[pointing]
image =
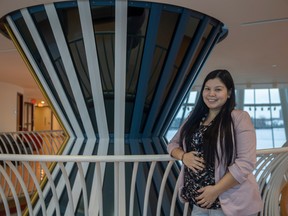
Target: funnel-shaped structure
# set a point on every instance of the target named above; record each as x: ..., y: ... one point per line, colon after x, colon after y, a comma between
x: 115, y: 72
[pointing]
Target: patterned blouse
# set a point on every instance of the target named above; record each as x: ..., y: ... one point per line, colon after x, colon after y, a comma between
x: 194, y: 181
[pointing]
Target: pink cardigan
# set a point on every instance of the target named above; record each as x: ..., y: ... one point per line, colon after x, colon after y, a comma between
x: 243, y: 199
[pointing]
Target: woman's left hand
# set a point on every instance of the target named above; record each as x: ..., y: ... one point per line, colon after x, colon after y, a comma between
x: 207, y: 197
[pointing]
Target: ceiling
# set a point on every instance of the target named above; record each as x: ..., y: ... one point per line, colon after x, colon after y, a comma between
x: 255, y: 50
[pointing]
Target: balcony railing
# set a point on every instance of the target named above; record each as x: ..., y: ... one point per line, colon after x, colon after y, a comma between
x: 33, y: 184
x: 31, y: 142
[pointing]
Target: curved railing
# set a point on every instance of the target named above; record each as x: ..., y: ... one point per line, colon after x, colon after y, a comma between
x: 29, y: 186
x: 271, y: 174
x: 32, y: 142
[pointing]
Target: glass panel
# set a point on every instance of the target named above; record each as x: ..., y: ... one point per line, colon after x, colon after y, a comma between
x: 263, y: 117
x: 279, y: 137
x: 274, y: 96
x: 278, y: 126
x: 249, y: 96
x: 262, y: 96
x: 182, y: 114
x: 200, y: 47
x: 44, y: 28
x: 267, y: 117
x: 73, y: 34
x: 22, y: 27
x: 104, y: 28
x: 168, y: 23
x: 175, y: 123
x: 276, y: 113
x: 192, y: 96
x: 264, y: 138
x: 136, y: 31
x: 251, y: 111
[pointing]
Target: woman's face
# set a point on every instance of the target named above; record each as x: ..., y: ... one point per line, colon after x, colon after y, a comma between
x: 215, y: 94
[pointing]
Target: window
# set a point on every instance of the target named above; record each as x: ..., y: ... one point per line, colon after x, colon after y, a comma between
x: 264, y: 107
x: 182, y: 113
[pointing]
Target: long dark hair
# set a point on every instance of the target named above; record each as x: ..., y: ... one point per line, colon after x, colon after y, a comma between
x: 222, y: 127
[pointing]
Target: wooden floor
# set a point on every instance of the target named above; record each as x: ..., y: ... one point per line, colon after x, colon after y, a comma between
x: 284, y: 200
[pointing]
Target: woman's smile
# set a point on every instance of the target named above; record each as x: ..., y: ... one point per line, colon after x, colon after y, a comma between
x: 215, y: 94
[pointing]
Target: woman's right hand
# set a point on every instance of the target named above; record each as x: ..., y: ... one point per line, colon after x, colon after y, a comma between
x: 193, y: 162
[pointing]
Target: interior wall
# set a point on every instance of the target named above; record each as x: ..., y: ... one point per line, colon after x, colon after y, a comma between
x: 8, y: 106
x: 44, y: 119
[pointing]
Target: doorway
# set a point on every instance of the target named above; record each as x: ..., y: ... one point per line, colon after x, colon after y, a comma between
x: 45, y: 119
x: 28, y: 116
x: 19, y: 121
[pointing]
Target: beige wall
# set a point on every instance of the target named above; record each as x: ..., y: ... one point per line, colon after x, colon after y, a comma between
x: 8, y: 106
x: 43, y: 118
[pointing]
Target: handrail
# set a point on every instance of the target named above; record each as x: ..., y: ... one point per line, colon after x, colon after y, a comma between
x: 87, y: 158
x: 271, y: 151
x: 112, y: 158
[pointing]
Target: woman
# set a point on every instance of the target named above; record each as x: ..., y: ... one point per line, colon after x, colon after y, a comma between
x: 217, y: 146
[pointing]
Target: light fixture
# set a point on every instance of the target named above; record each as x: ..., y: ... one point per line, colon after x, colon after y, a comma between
x: 33, y: 101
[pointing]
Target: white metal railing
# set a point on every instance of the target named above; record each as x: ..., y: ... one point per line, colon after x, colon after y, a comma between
x: 27, y: 180
x: 31, y: 142
x: 272, y: 174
